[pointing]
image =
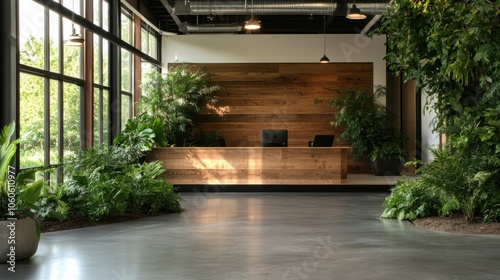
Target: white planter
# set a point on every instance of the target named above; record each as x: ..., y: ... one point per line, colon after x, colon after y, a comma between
x: 19, y: 235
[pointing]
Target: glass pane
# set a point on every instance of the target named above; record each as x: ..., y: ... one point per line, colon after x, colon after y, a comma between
x: 126, y: 26
x: 105, y: 62
x: 105, y: 15
x: 126, y: 69
x: 68, y: 4
x: 126, y: 109
x: 153, y: 46
x: 105, y: 116
x: 144, y: 40
x: 73, y: 5
x: 97, y: 119
x: 149, y: 41
x: 31, y: 124
x: 54, y: 35
x: 97, y: 60
x: 54, y: 122
x: 31, y: 34
x: 97, y: 12
x: 147, y: 68
x: 71, y: 118
x: 72, y: 55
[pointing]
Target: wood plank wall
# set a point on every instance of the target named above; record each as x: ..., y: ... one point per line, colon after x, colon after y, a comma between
x: 260, y: 96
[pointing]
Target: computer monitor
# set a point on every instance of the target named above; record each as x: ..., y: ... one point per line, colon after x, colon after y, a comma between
x: 274, y: 138
x: 323, y: 140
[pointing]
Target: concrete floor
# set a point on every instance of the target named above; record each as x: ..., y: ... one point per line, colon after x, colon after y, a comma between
x: 263, y: 236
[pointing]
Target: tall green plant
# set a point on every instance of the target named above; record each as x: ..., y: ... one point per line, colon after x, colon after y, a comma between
x: 368, y: 125
x: 176, y: 98
x: 23, y: 190
x: 7, y: 151
x: 451, y: 49
x: 466, y: 169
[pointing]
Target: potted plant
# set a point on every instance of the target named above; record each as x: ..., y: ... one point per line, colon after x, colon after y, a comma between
x: 369, y: 128
x: 19, y: 230
x: 176, y: 98
x: 388, y: 157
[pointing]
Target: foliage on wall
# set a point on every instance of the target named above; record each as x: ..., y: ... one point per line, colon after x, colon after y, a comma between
x: 451, y: 49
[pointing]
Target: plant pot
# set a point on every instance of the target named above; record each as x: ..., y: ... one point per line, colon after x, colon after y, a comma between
x: 23, y: 232
x: 382, y: 167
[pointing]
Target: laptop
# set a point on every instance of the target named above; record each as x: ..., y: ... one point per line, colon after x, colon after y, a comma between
x: 323, y: 140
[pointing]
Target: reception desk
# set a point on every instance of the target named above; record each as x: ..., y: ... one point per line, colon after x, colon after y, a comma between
x: 252, y: 165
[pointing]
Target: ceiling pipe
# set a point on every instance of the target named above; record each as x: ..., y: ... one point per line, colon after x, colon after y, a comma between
x: 210, y: 28
x: 372, y: 8
x: 260, y: 7
x: 266, y: 7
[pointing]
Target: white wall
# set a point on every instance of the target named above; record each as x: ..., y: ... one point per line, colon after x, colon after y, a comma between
x: 255, y: 48
x: 430, y: 139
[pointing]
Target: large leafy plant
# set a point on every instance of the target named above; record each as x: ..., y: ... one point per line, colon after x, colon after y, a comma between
x: 176, y: 98
x: 368, y: 125
x: 7, y: 151
x: 18, y: 193
x: 451, y: 49
x: 109, y: 181
x: 412, y: 199
x: 141, y: 133
x: 464, y: 172
x: 466, y: 169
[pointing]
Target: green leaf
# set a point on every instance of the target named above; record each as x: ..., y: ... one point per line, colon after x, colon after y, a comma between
x: 30, y: 194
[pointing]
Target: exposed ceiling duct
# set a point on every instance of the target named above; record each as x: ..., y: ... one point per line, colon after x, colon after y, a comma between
x: 277, y: 16
x: 370, y: 8
x: 210, y: 28
x: 260, y: 7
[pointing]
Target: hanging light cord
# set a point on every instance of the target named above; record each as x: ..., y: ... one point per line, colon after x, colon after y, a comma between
x: 252, y: 10
x: 324, y: 35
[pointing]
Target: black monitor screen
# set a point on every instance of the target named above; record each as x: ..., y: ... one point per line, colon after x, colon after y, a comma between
x: 274, y: 138
x: 323, y: 140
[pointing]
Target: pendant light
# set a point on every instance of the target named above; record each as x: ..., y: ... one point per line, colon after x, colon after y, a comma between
x: 252, y: 24
x: 355, y: 13
x: 75, y: 39
x: 324, y: 59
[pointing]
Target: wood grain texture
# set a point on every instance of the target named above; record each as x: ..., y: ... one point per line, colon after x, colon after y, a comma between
x: 258, y: 96
x: 252, y: 165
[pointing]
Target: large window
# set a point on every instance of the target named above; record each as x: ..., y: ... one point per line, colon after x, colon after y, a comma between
x: 149, y: 40
x: 54, y: 97
x: 101, y: 75
x: 50, y: 87
x: 127, y: 34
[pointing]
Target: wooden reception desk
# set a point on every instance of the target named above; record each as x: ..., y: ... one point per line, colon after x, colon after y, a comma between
x: 252, y: 165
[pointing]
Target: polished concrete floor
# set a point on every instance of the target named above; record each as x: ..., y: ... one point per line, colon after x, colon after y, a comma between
x: 263, y: 236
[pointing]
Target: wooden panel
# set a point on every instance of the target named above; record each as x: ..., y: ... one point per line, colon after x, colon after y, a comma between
x: 259, y: 96
x: 249, y: 165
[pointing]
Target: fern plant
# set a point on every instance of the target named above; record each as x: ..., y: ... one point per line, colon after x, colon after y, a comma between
x: 410, y: 199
